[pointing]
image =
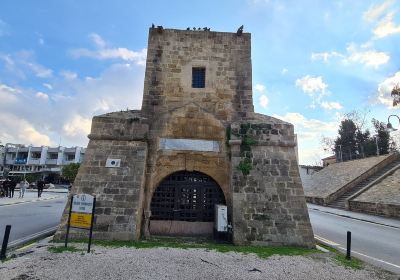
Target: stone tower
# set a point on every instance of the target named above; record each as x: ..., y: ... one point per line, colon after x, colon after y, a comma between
x: 196, y: 142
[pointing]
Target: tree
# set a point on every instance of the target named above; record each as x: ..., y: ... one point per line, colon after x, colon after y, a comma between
x: 70, y: 171
x: 32, y: 177
x: 346, y: 142
x: 396, y: 95
x: 385, y: 142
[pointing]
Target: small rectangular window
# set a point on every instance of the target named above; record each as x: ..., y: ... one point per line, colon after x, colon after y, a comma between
x: 198, y: 77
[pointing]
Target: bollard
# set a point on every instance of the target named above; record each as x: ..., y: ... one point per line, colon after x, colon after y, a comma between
x: 5, y: 242
x: 348, y: 254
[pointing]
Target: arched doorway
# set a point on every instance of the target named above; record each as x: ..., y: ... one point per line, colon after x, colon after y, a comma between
x: 183, y: 204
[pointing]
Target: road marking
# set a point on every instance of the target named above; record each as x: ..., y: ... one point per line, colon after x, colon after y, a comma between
x: 323, y: 240
x: 372, y: 258
x: 26, y: 247
x: 329, y: 242
x: 355, y: 219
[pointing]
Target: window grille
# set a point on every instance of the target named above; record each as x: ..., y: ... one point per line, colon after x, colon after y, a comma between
x: 198, y: 77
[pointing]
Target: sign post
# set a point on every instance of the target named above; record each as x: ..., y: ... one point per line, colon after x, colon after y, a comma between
x: 81, y: 214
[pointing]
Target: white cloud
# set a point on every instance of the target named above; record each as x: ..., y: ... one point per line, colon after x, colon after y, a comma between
x: 325, y: 56
x: 103, y: 52
x: 42, y: 95
x: 284, y: 71
x: 71, y: 106
x: 263, y: 101
x: 331, y: 105
x: 48, y: 86
x: 309, y: 134
x: 260, y: 88
x: 77, y: 125
x: 385, y: 89
x: 97, y: 40
x: 3, y: 28
x: 39, y: 70
x: 69, y: 75
x: 386, y: 27
x: 8, y: 94
x: 365, y: 55
x: 376, y: 11
x: 23, y: 63
x: 311, y: 85
x: 18, y: 130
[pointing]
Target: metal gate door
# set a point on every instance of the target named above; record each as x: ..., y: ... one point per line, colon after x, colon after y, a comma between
x: 186, y: 196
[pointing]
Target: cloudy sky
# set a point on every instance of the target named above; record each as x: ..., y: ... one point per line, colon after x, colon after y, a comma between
x: 62, y: 62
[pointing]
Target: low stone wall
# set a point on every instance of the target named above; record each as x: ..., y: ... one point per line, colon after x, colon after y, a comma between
x: 388, y: 210
x: 315, y: 200
x: 269, y: 207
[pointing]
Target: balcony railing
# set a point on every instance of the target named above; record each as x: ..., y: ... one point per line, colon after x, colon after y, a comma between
x: 51, y: 161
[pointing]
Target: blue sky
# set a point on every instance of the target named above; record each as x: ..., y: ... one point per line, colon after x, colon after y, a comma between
x: 62, y: 62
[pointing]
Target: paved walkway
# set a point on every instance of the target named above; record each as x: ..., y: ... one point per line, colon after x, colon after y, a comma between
x: 358, y: 216
x: 30, y: 196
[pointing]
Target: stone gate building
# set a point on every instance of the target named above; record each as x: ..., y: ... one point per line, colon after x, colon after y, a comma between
x: 195, y: 142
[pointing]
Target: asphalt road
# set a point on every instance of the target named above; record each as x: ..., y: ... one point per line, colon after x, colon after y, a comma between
x: 30, y: 218
x: 374, y: 243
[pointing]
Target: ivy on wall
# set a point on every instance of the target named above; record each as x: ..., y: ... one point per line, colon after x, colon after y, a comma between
x: 245, y: 165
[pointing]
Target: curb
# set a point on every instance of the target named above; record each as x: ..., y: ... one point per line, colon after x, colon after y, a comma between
x: 28, y: 201
x: 36, y: 236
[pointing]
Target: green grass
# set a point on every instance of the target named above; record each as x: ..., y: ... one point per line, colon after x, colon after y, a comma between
x: 6, y: 259
x: 340, y: 258
x: 353, y: 263
x: 260, y: 251
x: 62, y: 249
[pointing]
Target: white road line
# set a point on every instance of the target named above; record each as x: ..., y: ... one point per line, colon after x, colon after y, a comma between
x: 329, y: 242
x: 355, y: 219
x: 372, y: 258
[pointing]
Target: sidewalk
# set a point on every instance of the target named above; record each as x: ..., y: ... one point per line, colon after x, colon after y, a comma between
x: 357, y: 216
x: 30, y: 196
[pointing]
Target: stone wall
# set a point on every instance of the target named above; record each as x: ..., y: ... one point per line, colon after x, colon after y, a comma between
x: 269, y: 207
x: 383, y: 198
x: 119, y: 191
x: 171, y: 55
x: 335, y: 179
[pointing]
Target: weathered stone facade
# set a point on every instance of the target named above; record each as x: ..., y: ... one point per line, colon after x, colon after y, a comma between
x: 254, y: 163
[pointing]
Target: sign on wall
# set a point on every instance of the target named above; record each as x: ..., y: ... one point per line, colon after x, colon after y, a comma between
x: 189, y: 145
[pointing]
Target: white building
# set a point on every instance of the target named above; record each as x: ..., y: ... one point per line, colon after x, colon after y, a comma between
x: 19, y: 159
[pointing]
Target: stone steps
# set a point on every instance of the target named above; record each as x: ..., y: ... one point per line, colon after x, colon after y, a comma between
x: 341, y: 200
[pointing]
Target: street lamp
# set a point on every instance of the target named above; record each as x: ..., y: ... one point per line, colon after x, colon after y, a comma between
x: 389, y: 125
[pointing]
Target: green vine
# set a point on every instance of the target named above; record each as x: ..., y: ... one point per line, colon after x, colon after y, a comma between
x: 247, y: 140
x: 245, y: 166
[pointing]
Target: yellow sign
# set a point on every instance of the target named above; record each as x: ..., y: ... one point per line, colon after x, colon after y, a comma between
x: 80, y: 220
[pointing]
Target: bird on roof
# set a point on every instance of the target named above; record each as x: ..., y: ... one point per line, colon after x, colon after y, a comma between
x: 152, y: 25
x: 240, y: 30
x: 188, y: 28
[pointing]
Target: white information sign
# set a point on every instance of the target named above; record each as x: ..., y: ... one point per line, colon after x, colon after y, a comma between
x: 83, y: 203
x: 189, y: 145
